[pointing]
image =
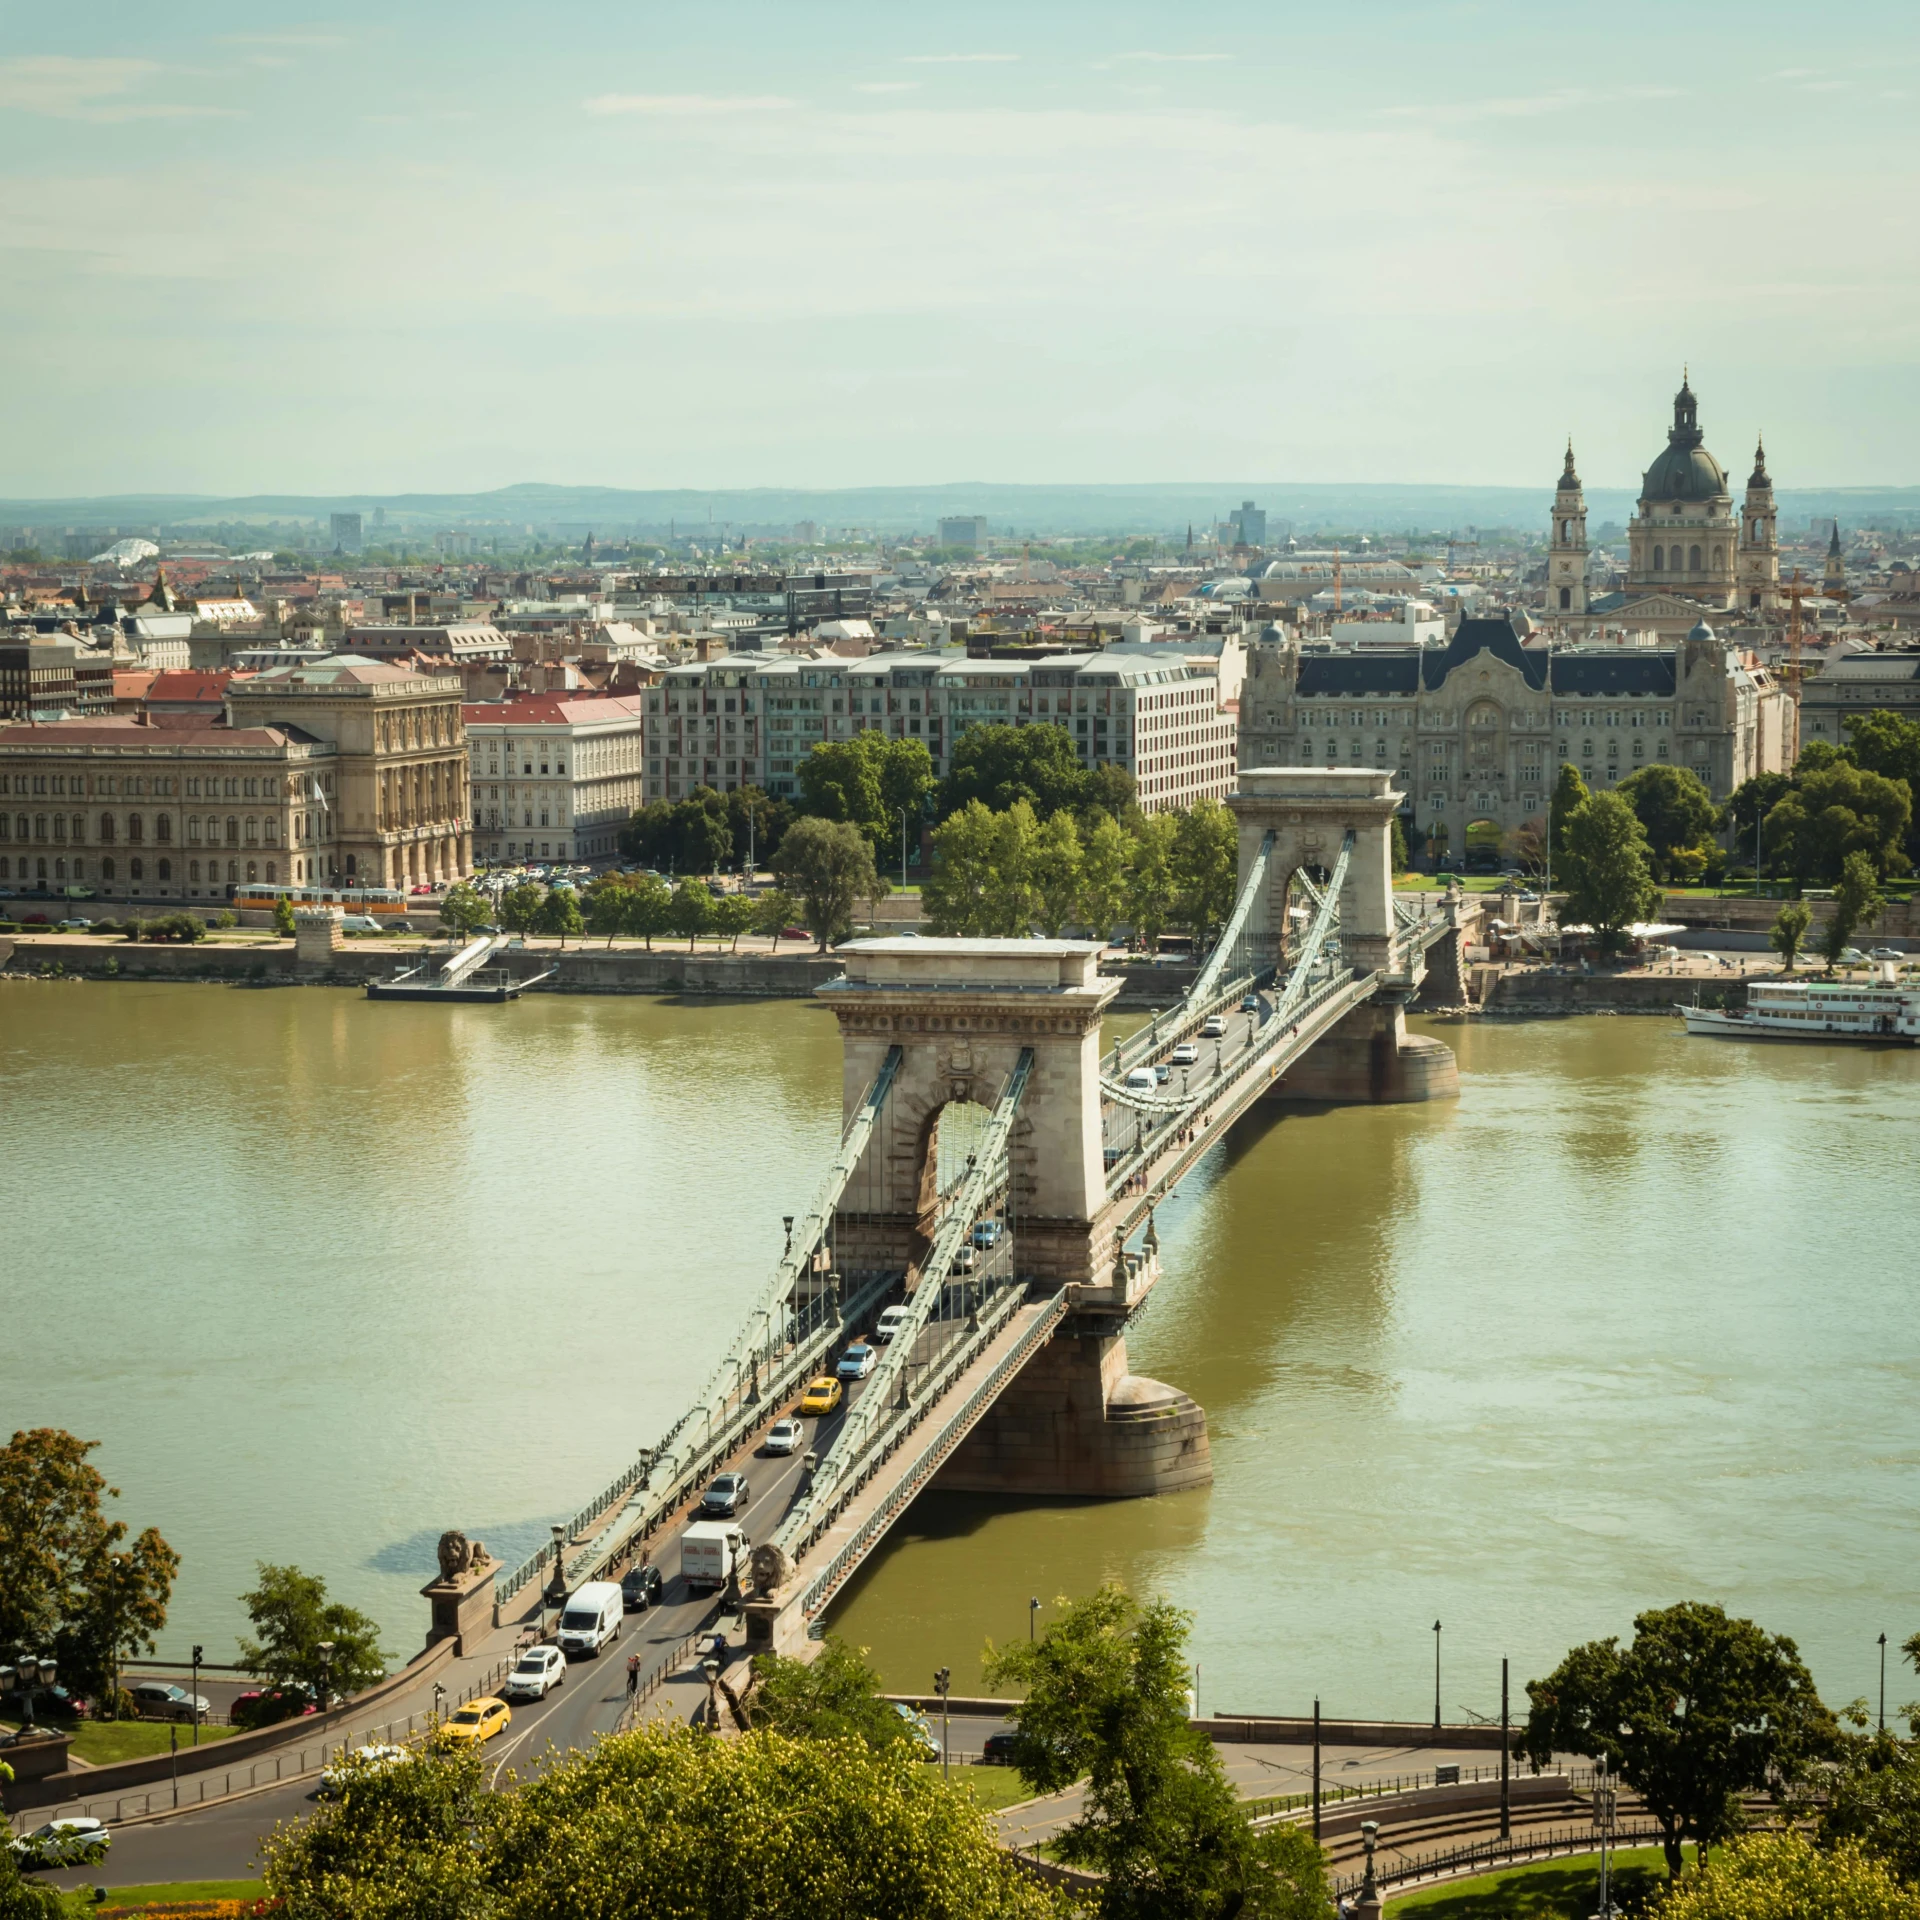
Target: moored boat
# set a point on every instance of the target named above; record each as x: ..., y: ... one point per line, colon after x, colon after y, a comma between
x: 1828, y: 1010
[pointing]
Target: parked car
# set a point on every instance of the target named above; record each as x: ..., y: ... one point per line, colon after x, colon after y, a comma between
x: 158, y: 1700
x: 822, y: 1396
x: 1214, y: 1026
x: 78, y: 1841
x: 640, y: 1588
x: 726, y: 1496
x: 360, y: 1764
x: 1886, y: 953
x: 1851, y: 957
x: 1186, y: 1054
x: 890, y: 1322
x: 857, y: 1362
x: 997, y: 1749
x: 783, y: 1436
x: 539, y: 1671
x: 476, y: 1722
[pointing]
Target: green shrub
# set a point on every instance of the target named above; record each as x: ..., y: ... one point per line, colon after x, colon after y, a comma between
x: 227, y: 919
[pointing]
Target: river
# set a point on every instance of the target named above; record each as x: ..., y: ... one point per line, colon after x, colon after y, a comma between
x: 1628, y: 1323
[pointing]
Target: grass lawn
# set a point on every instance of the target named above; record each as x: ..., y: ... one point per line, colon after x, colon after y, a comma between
x: 176, y: 1893
x: 101, y: 1742
x: 993, y: 1787
x: 1552, y: 1890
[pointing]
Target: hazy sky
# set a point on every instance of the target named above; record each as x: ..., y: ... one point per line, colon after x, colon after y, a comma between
x: 436, y: 246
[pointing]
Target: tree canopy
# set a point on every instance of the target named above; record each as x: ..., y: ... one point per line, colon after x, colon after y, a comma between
x: 1569, y: 795
x: 868, y: 781
x: 655, y: 1824
x: 1833, y: 810
x: 1856, y: 901
x: 828, y: 866
x: 1604, y: 868
x: 292, y: 1616
x: 1675, y: 810
x: 1873, y: 1802
x: 998, y: 765
x: 1106, y: 1700
x: 1783, y: 1876
x: 834, y: 1696
x: 1699, y: 1709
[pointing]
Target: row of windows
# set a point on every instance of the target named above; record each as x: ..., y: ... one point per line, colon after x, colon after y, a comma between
x: 57, y: 867
x: 150, y: 786
x: 36, y: 827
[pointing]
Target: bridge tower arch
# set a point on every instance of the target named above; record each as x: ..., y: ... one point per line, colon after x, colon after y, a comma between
x: 1310, y: 811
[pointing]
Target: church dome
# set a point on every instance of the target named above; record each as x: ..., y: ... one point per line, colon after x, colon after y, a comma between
x: 1686, y: 470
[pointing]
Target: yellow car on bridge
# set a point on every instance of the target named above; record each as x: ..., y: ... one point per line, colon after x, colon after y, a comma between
x: 822, y: 1396
x: 477, y: 1721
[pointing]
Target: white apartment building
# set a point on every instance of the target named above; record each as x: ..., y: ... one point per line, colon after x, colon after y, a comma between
x: 750, y: 719
x: 553, y: 777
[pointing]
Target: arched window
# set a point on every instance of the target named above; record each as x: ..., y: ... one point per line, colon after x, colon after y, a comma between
x: 163, y: 826
x: 233, y: 870
x: 106, y: 870
x: 1693, y: 559
x: 253, y: 870
x: 59, y: 869
x: 272, y: 835
x: 1659, y: 559
x: 106, y: 829
x: 1719, y: 558
x: 136, y: 828
x: 166, y: 869
x: 233, y: 830
x: 193, y: 869
x: 253, y: 830
x: 350, y: 862
x: 1566, y: 598
x: 137, y: 869
x: 273, y: 872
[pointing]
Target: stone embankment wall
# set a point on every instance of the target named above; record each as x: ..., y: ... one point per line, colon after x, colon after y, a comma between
x: 1898, y: 922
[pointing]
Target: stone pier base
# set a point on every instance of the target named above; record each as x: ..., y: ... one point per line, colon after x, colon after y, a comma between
x: 1076, y: 1421
x: 1370, y: 1058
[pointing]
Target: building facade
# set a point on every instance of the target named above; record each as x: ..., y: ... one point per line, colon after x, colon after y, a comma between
x: 554, y: 778
x: 401, y: 815
x: 1475, y: 732
x: 53, y: 673
x: 1857, y: 683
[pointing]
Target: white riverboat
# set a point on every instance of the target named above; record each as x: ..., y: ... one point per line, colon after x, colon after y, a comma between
x: 1884, y: 1012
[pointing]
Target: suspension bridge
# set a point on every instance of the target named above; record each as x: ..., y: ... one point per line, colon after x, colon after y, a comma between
x: 997, y: 1177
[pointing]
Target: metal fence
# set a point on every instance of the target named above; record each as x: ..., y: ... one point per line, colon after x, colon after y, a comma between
x: 1476, y: 1854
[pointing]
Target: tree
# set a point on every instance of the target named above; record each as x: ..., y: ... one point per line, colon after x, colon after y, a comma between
x: 1604, y: 867
x: 867, y: 781
x: 758, y: 823
x: 1569, y: 794
x: 828, y: 865
x: 1857, y: 900
x: 649, y: 907
x: 1889, y: 744
x: 1204, y: 866
x: 283, y: 921
x: 1103, y: 878
x: 773, y: 910
x: 981, y: 884
x: 1832, y: 812
x: 1106, y: 1700
x: 463, y: 908
x: 998, y: 765
x: 1674, y: 808
x: 1752, y: 801
x: 21, y: 1898
x: 663, y: 1821
x: 835, y: 1696
x: 1397, y: 846
x: 606, y: 906
x: 1150, y: 879
x: 520, y: 906
x: 292, y: 1615
x: 691, y: 911
x: 1873, y: 1802
x: 1530, y: 846
x: 1700, y: 1709
x: 1109, y: 789
x: 1790, y: 930
x: 1053, y: 873
x: 67, y: 1587
x: 1783, y: 1876
x: 732, y: 916
x: 560, y: 913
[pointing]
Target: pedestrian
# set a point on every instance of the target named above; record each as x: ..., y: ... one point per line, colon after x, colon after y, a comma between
x: 633, y: 1674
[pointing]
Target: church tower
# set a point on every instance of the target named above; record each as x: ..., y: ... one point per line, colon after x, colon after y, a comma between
x: 1834, y: 586
x: 1758, y: 587
x: 1567, y: 546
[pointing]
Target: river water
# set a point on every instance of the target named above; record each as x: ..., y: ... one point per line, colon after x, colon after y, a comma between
x: 1630, y: 1322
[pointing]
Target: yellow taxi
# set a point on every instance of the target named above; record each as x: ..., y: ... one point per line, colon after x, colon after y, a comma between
x: 478, y: 1720
x: 822, y: 1395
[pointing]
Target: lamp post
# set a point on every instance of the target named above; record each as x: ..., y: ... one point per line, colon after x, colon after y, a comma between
x: 1033, y: 1607
x: 556, y: 1592
x: 903, y: 849
x: 1316, y: 1766
x: 1369, y: 1887
x: 1883, y: 1683
x: 711, y: 1668
x: 196, y: 1694
x: 943, y: 1685
x: 1436, y: 1676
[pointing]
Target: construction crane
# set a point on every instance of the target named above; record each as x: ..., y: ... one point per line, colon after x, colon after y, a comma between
x: 1794, y: 592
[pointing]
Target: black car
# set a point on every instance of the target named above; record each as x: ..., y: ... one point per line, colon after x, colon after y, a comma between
x: 998, y: 1750
x: 727, y: 1495
x: 640, y: 1589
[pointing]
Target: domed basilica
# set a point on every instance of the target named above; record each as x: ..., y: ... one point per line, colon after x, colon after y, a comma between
x: 1688, y: 551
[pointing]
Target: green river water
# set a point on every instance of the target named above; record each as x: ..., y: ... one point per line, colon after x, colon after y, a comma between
x: 1631, y: 1322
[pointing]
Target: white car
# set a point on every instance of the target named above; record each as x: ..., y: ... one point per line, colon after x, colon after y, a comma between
x: 783, y: 1436
x: 541, y: 1669
x: 1186, y: 1054
x: 1214, y: 1026
x: 361, y: 1762
x: 857, y: 1362
x: 76, y: 1842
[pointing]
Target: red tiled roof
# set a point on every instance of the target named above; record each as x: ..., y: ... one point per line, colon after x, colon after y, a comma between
x: 129, y: 732
x: 552, y: 710
x: 181, y: 683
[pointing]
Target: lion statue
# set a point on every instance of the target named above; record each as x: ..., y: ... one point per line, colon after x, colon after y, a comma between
x: 459, y: 1555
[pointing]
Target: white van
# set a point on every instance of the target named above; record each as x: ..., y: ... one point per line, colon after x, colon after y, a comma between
x: 711, y: 1553
x: 1142, y: 1080
x: 591, y: 1619
x: 892, y: 1319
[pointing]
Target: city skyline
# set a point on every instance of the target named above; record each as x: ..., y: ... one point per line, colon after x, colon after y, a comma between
x: 353, y: 253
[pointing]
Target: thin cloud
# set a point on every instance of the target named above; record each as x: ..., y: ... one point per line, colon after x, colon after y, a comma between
x: 280, y: 39
x: 687, y: 105
x: 887, y: 86
x: 61, y: 87
x: 1172, y: 59
x: 959, y: 59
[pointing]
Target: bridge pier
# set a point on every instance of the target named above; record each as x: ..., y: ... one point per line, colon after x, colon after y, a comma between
x: 1370, y: 1058
x: 1076, y: 1422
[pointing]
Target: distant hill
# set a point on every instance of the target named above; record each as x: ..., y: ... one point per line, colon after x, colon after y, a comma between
x: 1144, y: 508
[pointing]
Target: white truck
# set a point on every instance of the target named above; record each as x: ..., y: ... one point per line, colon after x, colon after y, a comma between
x: 711, y: 1552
